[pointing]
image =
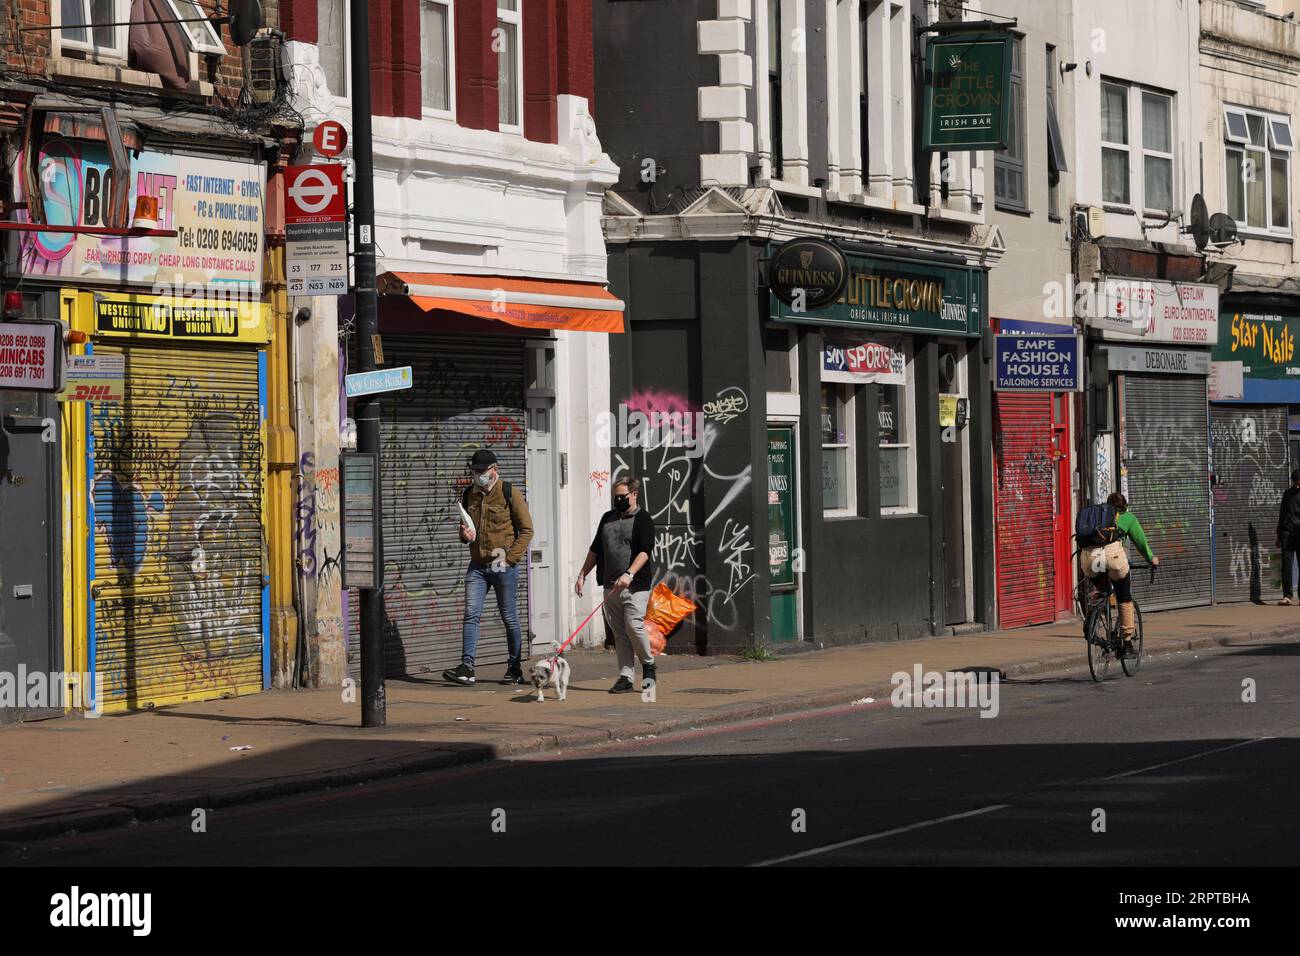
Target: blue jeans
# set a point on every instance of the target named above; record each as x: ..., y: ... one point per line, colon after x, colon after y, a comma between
x: 478, y: 579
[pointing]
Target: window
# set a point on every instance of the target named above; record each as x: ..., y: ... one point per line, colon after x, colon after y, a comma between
x: 837, y: 448
x: 85, y: 27
x: 1257, y: 161
x: 1147, y: 150
x: 199, y: 32
x: 1056, y: 163
x: 774, y: 85
x: 332, y: 43
x: 896, y: 432
x: 436, y: 30
x: 510, y: 92
x: 1009, y: 164
x: 1157, y: 151
x: 1114, y: 139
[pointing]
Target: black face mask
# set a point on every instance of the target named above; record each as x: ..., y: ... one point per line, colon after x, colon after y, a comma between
x: 622, y: 502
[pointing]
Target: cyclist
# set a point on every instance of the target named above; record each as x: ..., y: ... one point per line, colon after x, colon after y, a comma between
x: 1109, y: 560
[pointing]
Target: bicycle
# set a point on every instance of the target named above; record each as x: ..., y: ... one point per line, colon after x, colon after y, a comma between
x: 1101, y: 631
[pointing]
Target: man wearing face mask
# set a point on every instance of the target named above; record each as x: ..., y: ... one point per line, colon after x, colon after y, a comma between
x: 498, y: 540
x: 620, y: 553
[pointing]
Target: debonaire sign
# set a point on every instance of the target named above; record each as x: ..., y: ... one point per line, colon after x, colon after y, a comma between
x: 1038, y: 363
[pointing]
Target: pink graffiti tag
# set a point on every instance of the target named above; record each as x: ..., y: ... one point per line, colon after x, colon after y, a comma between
x: 599, y: 479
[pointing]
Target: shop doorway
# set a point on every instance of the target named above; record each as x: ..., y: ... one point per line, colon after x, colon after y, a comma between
x: 785, y: 557
x: 954, y: 464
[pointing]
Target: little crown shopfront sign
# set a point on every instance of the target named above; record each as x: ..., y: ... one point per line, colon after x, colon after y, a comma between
x: 899, y: 294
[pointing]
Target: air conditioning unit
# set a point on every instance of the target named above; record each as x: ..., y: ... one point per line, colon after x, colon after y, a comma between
x: 263, y: 75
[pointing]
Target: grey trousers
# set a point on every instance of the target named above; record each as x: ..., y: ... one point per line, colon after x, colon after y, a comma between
x: 625, y: 618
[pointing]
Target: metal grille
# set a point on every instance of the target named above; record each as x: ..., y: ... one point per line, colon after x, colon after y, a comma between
x: 176, y: 490
x: 1166, y: 434
x: 1025, y: 493
x: 468, y: 394
x: 1250, y: 469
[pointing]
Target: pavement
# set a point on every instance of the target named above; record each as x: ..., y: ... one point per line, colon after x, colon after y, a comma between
x: 75, y: 774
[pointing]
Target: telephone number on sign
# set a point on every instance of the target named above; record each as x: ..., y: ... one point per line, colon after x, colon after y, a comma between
x: 16, y: 372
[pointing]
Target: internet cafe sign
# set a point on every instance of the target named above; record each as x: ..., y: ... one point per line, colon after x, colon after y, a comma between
x: 898, y: 295
x: 967, y: 92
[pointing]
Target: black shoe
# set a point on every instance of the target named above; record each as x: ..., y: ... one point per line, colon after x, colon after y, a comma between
x: 460, y: 674
x: 622, y: 686
x: 514, y: 675
x: 647, y: 675
x: 1128, y: 652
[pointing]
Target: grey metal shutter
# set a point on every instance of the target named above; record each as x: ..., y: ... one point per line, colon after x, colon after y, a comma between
x: 1251, y: 472
x: 468, y: 393
x: 176, y: 487
x: 1166, y: 432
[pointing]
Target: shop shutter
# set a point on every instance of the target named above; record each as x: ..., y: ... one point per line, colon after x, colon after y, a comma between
x: 1025, y: 491
x: 176, y: 491
x: 468, y: 393
x: 1251, y: 471
x: 1166, y: 435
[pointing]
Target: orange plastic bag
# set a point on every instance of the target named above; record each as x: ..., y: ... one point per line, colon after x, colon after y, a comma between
x: 657, y: 640
x: 666, y: 609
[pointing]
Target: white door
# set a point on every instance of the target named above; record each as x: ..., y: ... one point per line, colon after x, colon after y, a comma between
x: 542, y: 485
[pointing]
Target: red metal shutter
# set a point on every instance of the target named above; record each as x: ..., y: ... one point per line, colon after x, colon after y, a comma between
x: 1024, y: 496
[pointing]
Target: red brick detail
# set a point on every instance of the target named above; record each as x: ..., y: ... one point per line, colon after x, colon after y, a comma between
x: 476, y: 65
x: 298, y: 20
x: 381, y: 57
x: 574, y: 54
x: 406, y: 52
x: 541, y: 71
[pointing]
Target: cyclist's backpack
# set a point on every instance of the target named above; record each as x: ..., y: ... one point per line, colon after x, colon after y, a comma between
x: 1096, y: 526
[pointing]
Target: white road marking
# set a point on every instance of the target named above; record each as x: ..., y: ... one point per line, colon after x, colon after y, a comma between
x: 1170, y: 763
x: 880, y: 836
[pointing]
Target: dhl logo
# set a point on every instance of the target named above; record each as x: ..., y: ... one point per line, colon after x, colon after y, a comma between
x: 91, y: 393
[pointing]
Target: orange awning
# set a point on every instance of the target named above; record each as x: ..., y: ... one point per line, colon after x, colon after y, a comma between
x: 530, y: 303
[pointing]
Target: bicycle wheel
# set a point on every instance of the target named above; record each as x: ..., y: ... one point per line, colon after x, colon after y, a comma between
x: 1096, y: 633
x: 1131, y: 664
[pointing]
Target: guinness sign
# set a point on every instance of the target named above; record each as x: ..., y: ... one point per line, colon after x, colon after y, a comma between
x: 808, y: 274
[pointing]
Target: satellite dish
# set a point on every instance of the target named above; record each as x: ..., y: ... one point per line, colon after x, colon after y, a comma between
x: 1223, y: 229
x: 245, y: 20
x: 1198, y: 223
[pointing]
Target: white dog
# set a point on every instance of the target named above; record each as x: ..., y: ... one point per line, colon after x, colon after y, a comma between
x: 553, y: 670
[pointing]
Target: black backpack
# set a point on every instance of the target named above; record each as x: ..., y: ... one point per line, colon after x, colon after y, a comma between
x: 1096, y: 526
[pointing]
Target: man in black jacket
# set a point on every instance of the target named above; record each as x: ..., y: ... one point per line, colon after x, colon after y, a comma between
x: 620, y: 552
x: 1288, y: 533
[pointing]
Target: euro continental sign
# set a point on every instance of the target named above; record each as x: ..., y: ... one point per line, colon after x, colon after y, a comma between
x: 967, y: 92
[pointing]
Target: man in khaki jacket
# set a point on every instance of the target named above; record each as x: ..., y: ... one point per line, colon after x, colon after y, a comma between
x: 498, y: 541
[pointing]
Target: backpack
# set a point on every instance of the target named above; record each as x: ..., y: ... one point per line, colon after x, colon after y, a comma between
x: 1096, y: 526
x: 505, y: 489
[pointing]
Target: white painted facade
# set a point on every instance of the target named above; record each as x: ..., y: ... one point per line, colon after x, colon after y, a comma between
x: 456, y: 200
x: 1152, y: 46
x: 1250, y: 65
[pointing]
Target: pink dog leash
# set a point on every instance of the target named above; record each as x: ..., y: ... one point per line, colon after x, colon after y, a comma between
x: 581, y: 626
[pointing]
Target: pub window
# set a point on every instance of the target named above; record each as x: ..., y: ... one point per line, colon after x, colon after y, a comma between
x: 896, y: 432
x: 1009, y: 164
x: 838, y: 496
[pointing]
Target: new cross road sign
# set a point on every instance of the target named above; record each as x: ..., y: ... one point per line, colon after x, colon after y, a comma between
x: 380, y: 380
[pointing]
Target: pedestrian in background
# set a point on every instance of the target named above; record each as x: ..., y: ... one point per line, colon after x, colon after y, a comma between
x: 498, y: 540
x: 620, y: 553
x: 1288, y: 533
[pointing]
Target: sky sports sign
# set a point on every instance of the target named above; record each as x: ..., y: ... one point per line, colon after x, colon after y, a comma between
x: 1039, y: 363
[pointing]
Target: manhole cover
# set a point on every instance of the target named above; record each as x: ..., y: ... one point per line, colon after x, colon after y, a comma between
x: 714, y: 690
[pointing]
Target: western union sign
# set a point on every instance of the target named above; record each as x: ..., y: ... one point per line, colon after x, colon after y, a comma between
x: 906, y: 295
x: 142, y: 316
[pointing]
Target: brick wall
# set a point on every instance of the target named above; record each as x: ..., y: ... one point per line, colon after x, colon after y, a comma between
x: 29, y: 53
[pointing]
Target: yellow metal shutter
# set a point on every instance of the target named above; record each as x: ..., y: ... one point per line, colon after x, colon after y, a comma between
x: 176, y: 490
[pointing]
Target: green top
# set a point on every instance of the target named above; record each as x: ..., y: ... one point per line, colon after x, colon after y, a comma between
x: 1128, y: 526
